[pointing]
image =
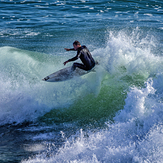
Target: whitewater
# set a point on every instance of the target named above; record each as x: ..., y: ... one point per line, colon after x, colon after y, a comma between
x: 114, y: 114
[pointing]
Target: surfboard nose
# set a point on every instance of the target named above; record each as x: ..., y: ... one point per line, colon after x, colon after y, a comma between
x: 46, y: 78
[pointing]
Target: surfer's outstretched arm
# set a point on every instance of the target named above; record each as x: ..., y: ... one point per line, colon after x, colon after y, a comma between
x: 69, y: 49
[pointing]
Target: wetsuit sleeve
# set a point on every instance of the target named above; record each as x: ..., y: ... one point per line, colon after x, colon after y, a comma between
x: 73, y: 59
x: 76, y: 57
x: 72, y: 49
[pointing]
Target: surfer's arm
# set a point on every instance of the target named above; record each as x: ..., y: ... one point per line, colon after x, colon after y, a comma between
x: 65, y: 62
x: 72, y: 59
x: 70, y: 49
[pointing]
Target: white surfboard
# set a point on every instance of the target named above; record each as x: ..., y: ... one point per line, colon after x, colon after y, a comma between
x: 65, y: 74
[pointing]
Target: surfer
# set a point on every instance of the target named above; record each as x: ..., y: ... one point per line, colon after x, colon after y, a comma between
x: 85, y: 56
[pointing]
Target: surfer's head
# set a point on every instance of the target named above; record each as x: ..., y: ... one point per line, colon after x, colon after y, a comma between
x: 76, y: 44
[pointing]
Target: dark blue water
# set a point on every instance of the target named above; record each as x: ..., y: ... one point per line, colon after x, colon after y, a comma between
x: 111, y: 115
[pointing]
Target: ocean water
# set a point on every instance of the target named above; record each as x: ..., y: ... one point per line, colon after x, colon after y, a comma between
x: 112, y: 115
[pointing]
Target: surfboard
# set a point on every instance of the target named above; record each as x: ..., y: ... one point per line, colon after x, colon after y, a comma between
x: 65, y: 74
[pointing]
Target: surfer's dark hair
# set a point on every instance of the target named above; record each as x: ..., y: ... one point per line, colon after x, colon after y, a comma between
x: 76, y: 43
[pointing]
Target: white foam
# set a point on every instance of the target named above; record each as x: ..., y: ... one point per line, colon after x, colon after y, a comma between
x: 148, y: 14
x: 34, y: 147
x: 130, y: 52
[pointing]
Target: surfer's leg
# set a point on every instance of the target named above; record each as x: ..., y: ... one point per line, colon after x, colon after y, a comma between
x: 79, y: 65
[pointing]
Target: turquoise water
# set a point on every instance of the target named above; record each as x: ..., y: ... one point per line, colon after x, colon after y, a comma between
x: 111, y: 115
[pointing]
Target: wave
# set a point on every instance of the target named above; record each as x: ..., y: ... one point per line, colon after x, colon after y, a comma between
x: 127, y: 60
x: 135, y: 134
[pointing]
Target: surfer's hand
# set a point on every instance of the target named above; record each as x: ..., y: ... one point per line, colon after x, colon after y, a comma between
x: 65, y: 62
x: 67, y: 49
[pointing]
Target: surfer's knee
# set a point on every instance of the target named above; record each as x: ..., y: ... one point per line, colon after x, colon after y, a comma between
x: 91, y: 67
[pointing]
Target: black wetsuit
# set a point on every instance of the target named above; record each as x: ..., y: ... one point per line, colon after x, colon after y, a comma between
x: 86, y: 58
